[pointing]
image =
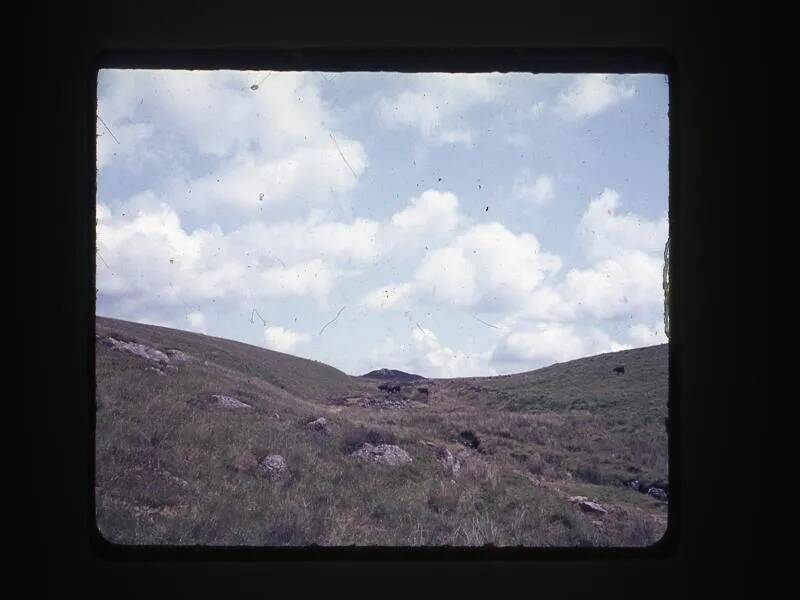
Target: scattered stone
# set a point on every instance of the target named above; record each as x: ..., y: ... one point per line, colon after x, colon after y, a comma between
x: 448, y: 459
x: 274, y: 466
x: 386, y: 454
x: 577, y: 499
x: 228, y: 402
x: 177, y: 355
x: 138, y: 349
x: 658, y: 493
x: 320, y: 425
x: 155, y: 370
x: 588, y: 506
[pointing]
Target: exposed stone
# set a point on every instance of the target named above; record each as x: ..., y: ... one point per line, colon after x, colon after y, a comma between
x: 589, y: 506
x: 320, y: 425
x: 386, y: 454
x: 274, y: 466
x: 229, y: 402
x: 155, y: 370
x: 577, y: 499
x: 176, y: 355
x: 448, y: 459
x: 658, y: 493
x: 134, y: 348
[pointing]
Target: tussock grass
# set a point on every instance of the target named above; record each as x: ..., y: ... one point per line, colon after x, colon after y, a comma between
x: 173, y: 468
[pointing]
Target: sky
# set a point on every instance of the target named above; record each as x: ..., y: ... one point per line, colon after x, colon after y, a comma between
x: 449, y: 225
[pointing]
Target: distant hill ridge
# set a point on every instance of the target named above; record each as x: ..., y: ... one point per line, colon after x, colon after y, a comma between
x: 392, y: 374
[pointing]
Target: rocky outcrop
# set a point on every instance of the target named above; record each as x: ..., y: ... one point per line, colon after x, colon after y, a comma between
x: 319, y: 425
x: 449, y: 460
x: 658, y: 493
x: 385, y: 454
x: 228, y: 401
x: 274, y: 466
x: 587, y: 505
x: 168, y: 357
x: 140, y: 350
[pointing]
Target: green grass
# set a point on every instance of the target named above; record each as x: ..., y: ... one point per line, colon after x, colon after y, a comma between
x: 172, y: 468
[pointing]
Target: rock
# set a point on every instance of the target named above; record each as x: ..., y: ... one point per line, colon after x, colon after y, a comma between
x: 448, y: 459
x: 386, y: 454
x: 134, y: 348
x: 228, y: 402
x: 176, y: 355
x: 577, y: 498
x: 274, y: 466
x: 155, y: 370
x: 658, y: 493
x: 588, y: 506
x: 320, y: 425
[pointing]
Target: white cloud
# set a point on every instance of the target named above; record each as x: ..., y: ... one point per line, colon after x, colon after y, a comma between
x: 643, y: 335
x: 263, y: 144
x: 431, y: 213
x: 149, y: 258
x: 548, y: 343
x: 284, y: 340
x: 487, y: 268
x: 605, y: 233
x: 589, y: 94
x: 539, y: 191
x: 627, y: 284
x: 426, y: 355
x: 436, y: 102
x: 197, y: 321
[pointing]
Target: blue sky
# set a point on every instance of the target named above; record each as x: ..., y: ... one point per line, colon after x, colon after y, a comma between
x: 463, y: 224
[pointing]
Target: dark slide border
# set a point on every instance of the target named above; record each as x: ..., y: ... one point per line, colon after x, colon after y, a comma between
x: 686, y: 43
x: 430, y: 59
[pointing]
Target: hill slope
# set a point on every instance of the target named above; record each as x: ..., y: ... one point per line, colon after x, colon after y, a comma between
x: 493, y: 460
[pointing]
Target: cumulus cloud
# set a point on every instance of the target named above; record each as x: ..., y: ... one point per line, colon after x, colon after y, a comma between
x: 284, y: 340
x: 605, y: 233
x: 644, y: 335
x: 487, y: 268
x: 592, y: 93
x: 262, y: 144
x: 537, y: 191
x: 425, y: 354
x: 196, y: 321
x: 432, y: 213
x: 548, y: 343
x: 627, y: 284
x: 435, y: 104
x: 150, y: 258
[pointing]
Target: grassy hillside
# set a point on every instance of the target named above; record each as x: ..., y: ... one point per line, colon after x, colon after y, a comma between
x: 175, y: 466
